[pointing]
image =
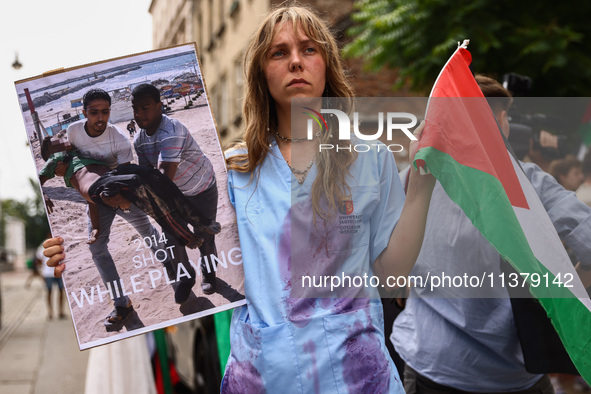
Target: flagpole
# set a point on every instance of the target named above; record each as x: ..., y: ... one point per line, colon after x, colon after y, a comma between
x: 463, y: 45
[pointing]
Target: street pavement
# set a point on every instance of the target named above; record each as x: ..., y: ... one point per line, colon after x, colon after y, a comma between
x: 37, y: 355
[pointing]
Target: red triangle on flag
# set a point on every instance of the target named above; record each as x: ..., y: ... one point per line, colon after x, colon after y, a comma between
x: 461, y: 123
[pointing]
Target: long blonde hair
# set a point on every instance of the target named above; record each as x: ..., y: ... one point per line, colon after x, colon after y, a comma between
x: 259, y: 109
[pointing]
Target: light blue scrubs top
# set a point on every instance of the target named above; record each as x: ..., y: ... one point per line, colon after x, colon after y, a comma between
x: 292, y: 337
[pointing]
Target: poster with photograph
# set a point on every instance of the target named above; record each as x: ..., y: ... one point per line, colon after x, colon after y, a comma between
x: 134, y: 180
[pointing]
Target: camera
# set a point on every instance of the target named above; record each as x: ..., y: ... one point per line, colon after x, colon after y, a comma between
x: 525, y: 127
x: 518, y: 85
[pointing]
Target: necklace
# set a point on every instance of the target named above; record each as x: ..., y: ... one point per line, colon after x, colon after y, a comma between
x: 295, y: 139
x: 300, y: 175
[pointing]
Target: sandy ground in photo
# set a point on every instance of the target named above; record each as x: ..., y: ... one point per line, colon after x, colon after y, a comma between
x: 152, y: 306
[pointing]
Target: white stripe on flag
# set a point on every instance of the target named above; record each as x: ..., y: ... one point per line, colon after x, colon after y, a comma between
x: 543, y: 239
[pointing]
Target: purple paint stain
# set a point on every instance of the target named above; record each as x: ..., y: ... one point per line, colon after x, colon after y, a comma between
x: 344, y: 305
x: 242, y: 377
x: 310, y: 348
x: 284, y: 252
x: 310, y: 249
x: 246, y: 344
x: 298, y: 310
x: 250, y: 341
x: 365, y: 366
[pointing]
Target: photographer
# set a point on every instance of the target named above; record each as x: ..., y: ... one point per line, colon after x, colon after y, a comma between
x: 530, y: 139
x: 544, y: 148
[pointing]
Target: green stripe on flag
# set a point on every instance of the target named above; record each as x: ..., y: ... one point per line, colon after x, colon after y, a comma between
x: 572, y: 321
x: 584, y: 132
x: 483, y: 199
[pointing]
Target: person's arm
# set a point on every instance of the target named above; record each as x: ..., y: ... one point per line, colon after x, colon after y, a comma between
x: 168, y: 168
x: 571, y: 217
x: 48, y: 202
x: 406, y: 240
x: 404, y: 246
x: 48, y: 171
x: 172, y: 148
x: 141, y: 157
x: 94, y: 221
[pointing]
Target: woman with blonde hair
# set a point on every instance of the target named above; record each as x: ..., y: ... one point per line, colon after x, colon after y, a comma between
x: 306, y: 214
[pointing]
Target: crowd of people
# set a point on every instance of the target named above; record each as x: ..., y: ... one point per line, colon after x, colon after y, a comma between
x: 574, y: 175
x: 291, y: 202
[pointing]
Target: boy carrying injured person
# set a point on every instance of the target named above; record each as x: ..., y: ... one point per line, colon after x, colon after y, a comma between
x: 145, y: 187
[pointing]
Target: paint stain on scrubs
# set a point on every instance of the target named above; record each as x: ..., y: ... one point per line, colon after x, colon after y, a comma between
x: 344, y: 305
x: 365, y: 367
x: 305, y: 251
x: 242, y: 378
x: 310, y: 349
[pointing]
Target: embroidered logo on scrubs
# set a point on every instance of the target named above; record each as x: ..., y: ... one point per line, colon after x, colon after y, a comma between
x: 346, y: 207
x: 350, y: 224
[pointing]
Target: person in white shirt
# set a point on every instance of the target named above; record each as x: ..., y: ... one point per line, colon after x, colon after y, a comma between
x: 96, y: 138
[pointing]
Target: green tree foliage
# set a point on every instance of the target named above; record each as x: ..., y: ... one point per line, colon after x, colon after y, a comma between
x: 32, y: 212
x: 548, y: 41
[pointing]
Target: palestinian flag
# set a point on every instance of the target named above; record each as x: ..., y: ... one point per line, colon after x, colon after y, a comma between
x: 463, y: 148
x: 584, y: 130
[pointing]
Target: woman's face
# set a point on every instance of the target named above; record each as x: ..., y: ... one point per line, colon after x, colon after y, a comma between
x: 293, y: 66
